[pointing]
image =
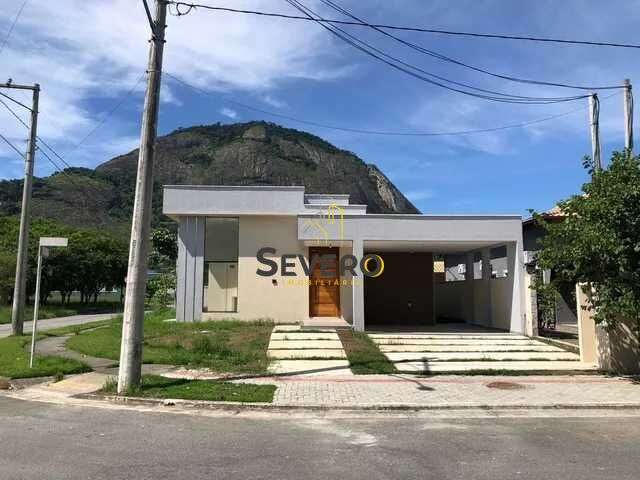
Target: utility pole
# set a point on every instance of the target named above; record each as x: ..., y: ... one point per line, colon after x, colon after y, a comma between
x: 133, y: 320
x: 628, y: 117
x: 19, y: 291
x: 594, y: 121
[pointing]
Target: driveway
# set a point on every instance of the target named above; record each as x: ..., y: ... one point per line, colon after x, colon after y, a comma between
x: 50, y: 324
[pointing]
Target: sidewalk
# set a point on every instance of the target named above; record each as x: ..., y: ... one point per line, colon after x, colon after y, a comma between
x: 403, y: 392
x: 51, y: 323
x: 389, y: 391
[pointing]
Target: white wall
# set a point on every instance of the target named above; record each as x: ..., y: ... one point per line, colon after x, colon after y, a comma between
x: 501, y: 290
x: 258, y: 297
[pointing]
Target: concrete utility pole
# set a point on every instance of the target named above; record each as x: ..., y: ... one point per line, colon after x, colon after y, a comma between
x: 132, y: 325
x: 628, y: 116
x: 594, y: 121
x: 19, y: 291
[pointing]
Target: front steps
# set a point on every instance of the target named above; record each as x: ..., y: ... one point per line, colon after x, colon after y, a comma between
x: 460, y: 353
x: 294, y: 351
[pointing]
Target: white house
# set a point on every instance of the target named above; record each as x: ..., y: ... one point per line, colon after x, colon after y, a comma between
x: 274, y: 252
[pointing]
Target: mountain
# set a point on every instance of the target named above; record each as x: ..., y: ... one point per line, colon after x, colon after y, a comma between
x: 255, y: 153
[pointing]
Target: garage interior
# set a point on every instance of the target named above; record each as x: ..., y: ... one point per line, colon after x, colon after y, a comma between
x: 439, y: 287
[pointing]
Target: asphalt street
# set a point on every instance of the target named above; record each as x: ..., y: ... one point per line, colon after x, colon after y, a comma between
x: 40, y: 440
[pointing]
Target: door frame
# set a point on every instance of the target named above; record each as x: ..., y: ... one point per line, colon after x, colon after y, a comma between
x: 338, y: 300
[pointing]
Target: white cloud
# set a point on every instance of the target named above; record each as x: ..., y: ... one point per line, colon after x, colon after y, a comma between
x: 227, y: 112
x: 82, y: 51
x: 274, y: 102
x: 419, y: 195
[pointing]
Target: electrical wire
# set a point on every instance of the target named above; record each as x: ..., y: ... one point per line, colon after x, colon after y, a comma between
x: 411, y: 70
x: 445, y: 58
x: 109, y: 113
x: 12, y: 145
x: 8, y: 97
x: 375, y: 132
x: 38, y: 138
x: 23, y: 156
x: 530, y: 38
x: 13, y: 24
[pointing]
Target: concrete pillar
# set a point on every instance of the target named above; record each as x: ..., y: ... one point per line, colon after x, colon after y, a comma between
x: 515, y: 269
x: 358, y: 289
x: 586, y: 329
x: 487, y: 310
x: 468, y: 280
x: 190, y: 269
x: 531, y: 306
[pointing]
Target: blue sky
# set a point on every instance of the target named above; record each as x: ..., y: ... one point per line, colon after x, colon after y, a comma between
x: 87, y: 55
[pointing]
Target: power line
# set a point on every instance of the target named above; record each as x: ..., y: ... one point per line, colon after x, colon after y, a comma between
x: 13, y: 112
x: 54, y: 163
x: 411, y: 69
x: 23, y: 156
x: 376, y: 132
x: 8, y: 97
x: 529, y: 38
x: 13, y: 24
x: 109, y: 113
x: 38, y: 138
x: 12, y: 145
x: 445, y: 58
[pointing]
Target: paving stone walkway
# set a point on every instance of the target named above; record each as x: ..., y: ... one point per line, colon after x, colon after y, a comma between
x: 387, y: 391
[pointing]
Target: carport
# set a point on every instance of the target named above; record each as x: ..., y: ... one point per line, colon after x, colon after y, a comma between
x: 407, y: 292
x: 471, y: 284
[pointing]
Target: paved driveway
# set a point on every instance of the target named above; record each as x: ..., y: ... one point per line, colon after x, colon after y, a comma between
x: 5, y: 329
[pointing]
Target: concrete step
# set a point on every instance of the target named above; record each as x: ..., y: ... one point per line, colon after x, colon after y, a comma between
x: 324, y: 322
x: 498, y: 367
x: 287, y: 328
x: 481, y: 356
x: 533, y: 347
x: 308, y: 353
x: 304, y: 336
x: 429, y: 341
x: 304, y: 344
x: 310, y: 368
x: 449, y: 336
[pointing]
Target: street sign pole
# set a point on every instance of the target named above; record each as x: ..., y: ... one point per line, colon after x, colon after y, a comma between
x: 43, y: 251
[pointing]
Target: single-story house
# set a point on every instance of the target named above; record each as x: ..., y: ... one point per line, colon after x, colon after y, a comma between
x: 251, y: 252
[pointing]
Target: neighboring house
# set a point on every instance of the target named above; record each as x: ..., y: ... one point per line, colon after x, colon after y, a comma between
x: 565, y: 312
x: 223, y: 231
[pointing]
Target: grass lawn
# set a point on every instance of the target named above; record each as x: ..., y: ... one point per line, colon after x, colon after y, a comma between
x: 56, y: 310
x: 161, y: 387
x: 14, y: 361
x: 224, y: 346
x: 365, y: 358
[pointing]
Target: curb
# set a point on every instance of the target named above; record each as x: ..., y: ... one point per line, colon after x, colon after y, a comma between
x: 211, y: 405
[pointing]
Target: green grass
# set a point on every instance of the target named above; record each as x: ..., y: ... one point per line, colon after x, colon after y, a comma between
x: 223, y: 346
x: 160, y: 387
x: 75, y: 329
x: 14, y: 361
x: 365, y: 358
x: 53, y: 310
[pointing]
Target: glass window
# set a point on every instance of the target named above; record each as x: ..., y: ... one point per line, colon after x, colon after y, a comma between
x: 221, y: 240
x: 221, y: 265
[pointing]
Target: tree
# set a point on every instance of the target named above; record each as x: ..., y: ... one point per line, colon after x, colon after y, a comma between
x: 598, y: 243
x: 165, y: 249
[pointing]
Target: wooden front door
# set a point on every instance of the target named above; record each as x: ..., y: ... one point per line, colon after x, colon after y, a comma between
x: 324, y: 287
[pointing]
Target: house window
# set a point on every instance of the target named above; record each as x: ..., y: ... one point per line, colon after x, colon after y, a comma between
x: 221, y: 265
